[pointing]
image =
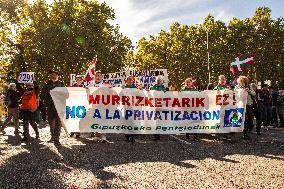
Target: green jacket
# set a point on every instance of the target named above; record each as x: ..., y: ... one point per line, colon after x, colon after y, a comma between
x: 188, y: 89
x: 221, y: 87
x: 158, y: 88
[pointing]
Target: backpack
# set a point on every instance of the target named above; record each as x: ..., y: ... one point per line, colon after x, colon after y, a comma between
x: 30, y: 102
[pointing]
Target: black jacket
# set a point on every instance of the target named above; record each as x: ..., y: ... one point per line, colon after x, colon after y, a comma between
x: 46, y: 92
x: 13, y: 98
x: 22, y: 90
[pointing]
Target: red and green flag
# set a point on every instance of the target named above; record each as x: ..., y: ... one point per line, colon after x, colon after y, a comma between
x: 242, y: 62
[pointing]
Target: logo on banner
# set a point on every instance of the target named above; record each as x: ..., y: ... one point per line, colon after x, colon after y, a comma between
x: 233, y: 117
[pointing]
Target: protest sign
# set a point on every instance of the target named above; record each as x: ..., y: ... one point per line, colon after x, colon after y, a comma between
x: 134, y: 111
x: 143, y: 78
x: 73, y: 78
x: 26, y: 77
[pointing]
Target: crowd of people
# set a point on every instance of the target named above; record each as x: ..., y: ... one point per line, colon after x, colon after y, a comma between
x: 265, y: 105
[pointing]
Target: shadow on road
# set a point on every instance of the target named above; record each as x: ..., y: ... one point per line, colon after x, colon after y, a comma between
x: 37, y: 166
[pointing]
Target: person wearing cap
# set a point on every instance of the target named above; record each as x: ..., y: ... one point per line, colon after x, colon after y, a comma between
x: 13, y: 98
x: 53, y: 118
x: 158, y: 87
x: 98, y: 82
x: 29, y: 107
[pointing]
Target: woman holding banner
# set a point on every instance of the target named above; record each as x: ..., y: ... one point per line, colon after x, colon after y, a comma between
x: 242, y: 83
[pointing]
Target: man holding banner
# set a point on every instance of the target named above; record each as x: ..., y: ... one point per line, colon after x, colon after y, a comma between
x: 129, y: 83
x: 98, y: 82
x: 53, y: 119
x: 78, y: 83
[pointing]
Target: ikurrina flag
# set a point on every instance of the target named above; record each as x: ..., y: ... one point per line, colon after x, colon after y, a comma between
x: 242, y: 62
x: 91, y: 71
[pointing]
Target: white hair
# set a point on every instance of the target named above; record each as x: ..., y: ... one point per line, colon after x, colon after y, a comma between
x: 159, y: 77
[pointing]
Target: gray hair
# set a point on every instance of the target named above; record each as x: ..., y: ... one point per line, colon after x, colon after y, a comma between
x: 159, y: 77
x: 12, y: 84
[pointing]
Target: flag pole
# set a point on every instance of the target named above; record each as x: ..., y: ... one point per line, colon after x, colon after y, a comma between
x: 255, y: 75
x: 208, y: 57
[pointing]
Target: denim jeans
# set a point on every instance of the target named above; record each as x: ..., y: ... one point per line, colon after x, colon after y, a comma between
x: 267, y: 115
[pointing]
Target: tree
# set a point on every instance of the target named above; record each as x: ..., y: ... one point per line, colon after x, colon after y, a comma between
x: 65, y: 35
x: 183, y: 49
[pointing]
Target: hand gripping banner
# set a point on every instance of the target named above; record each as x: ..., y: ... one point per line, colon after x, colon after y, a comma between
x: 134, y: 111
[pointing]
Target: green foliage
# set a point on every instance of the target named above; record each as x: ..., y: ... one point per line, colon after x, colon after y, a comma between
x: 183, y: 50
x: 64, y: 36
x: 69, y: 33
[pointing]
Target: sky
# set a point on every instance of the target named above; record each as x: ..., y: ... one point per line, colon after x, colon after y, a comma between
x: 138, y: 18
x: 142, y: 18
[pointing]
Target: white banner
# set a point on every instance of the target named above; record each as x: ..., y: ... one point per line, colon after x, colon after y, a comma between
x: 134, y: 111
x: 26, y: 77
x: 143, y: 78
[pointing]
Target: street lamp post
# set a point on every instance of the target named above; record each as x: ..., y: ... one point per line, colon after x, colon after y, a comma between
x: 208, y: 57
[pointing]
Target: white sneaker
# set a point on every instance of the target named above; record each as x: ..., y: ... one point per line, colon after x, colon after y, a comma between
x: 103, y: 137
x: 97, y: 139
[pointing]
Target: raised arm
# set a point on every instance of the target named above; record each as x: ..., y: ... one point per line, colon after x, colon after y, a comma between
x: 44, y: 92
x: 36, y: 88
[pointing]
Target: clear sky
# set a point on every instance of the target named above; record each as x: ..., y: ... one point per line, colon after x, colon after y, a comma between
x: 138, y: 18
